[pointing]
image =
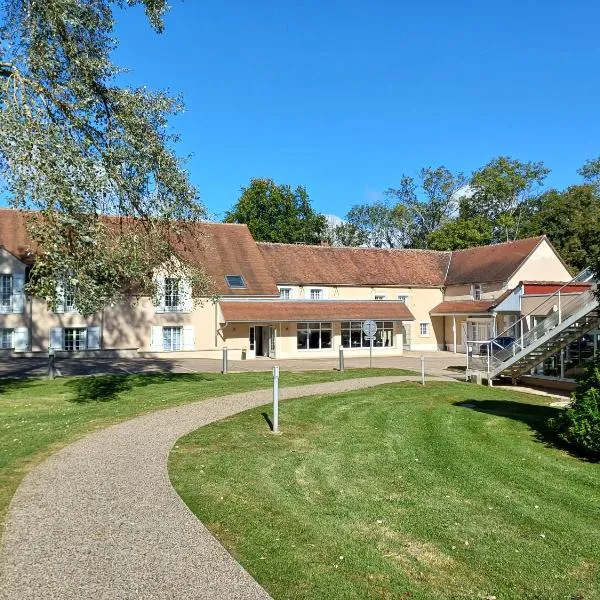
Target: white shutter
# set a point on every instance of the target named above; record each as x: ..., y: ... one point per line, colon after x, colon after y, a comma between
x: 159, y: 299
x: 84, y: 338
x: 21, y: 339
x: 56, y: 338
x: 18, y: 292
x: 60, y: 297
x: 156, y: 339
x: 188, y: 337
x: 93, y: 338
x: 185, y: 291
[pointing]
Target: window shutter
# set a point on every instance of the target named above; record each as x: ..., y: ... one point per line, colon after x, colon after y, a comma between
x: 93, y: 338
x: 56, y: 338
x: 156, y: 339
x: 18, y: 292
x: 188, y: 337
x: 185, y: 290
x: 21, y: 339
x: 159, y: 300
x: 60, y: 297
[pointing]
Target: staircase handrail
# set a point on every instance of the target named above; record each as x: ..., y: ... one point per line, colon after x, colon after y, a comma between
x: 587, y: 272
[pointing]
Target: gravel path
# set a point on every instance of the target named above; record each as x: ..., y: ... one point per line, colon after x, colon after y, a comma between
x: 100, y: 520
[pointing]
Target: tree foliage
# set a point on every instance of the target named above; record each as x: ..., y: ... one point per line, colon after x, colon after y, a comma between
x: 380, y: 224
x: 499, y: 190
x: 277, y: 213
x: 430, y: 202
x: 75, y: 146
x: 461, y: 233
x: 579, y: 425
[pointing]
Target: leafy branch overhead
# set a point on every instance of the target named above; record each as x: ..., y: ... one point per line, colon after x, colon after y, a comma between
x: 74, y: 146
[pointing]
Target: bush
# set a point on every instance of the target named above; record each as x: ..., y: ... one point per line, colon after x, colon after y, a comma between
x: 579, y: 425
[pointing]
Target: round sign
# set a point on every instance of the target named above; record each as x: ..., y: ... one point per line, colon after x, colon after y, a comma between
x: 370, y: 328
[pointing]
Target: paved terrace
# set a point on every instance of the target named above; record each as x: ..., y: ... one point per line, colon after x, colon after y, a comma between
x: 436, y: 363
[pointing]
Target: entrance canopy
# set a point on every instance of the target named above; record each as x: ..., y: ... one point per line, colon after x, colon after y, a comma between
x: 300, y: 310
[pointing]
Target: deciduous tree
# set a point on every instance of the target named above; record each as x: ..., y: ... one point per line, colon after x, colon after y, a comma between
x: 74, y: 145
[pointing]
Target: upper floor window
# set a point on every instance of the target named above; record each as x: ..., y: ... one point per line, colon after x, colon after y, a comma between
x: 285, y: 293
x: 476, y: 291
x: 172, y: 294
x: 6, y: 285
x: 379, y: 296
x: 69, y: 297
x: 316, y: 294
x: 403, y: 298
x: 235, y: 281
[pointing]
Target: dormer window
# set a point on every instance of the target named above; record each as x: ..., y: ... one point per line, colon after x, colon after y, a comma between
x: 6, y: 292
x: 172, y: 294
x: 476, y: 291
x: 379, y: 296
x: 285, y: 293
x: 235, y: 282
x: 316, y: 294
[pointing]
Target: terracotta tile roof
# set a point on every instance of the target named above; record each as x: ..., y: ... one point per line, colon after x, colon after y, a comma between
x: 249, y: 311
x: 330, y: 265
x: 462, y: 307
x: 223, y: 249
x: 490, y: 263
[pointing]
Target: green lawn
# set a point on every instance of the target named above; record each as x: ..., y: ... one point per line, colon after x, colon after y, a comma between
x: 38, y: 416
x: 399, y: 492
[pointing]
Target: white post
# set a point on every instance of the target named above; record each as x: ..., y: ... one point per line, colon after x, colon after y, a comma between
x: 341, y: 358
x: 371, y: 353
x: 275, y: 399
x: 454, y: 333
x: 562, y: 363
x: 51, y: 357
x: 559, y: 309
x: 224, y: 366
x: 422, y: 370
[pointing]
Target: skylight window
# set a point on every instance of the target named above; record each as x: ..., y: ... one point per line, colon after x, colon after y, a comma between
x: 235, y: 281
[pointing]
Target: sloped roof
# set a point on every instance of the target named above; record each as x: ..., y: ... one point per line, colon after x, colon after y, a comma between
x: 249, y: 311
x: 222, y: 249
x: 490, y: 263
x: 332, y: 265
x: 462, y: 307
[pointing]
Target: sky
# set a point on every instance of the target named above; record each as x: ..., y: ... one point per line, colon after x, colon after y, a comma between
x: 345, y: 97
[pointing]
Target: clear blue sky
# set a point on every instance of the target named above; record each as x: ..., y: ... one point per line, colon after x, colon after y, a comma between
x: 344, y: 97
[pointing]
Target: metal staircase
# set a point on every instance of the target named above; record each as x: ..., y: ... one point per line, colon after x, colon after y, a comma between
x: 573, y: 316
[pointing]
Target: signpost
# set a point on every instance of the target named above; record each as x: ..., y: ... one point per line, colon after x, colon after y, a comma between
x: 370, y: 329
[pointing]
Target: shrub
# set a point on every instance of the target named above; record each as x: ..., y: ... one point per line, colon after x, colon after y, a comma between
x: 579, y: 425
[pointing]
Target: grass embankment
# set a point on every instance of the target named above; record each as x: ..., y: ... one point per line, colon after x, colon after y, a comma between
x: 399, y: 492
x: 39, y: 416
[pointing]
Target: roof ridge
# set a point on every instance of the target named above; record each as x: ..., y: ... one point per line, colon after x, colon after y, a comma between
x: 527, y: 239
x: 356, y: 248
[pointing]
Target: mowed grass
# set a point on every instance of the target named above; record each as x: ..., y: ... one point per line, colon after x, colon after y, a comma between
x: 399, y: 492
x: 38, y: 416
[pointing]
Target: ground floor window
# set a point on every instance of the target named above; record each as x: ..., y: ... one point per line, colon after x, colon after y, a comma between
x: 75, y: 339
x: 6, y: 338
x: 314, y: 336
x: 354, y: 337
x: 172, y: 339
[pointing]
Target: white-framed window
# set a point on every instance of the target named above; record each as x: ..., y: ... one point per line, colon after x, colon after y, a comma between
x: 69, y: 297
x: 353, y: 335
x: 314, y: 336
x: 476, y: 291
x: 424, y: 329
x: 6, y: 293
x: 316, y: 294
x: 379, y: 296
x: 403, y: 298
x: 172, y: 294
x: 75, y: 338
x: 6, y: 338
x: 285, y: 293
x: 172, y: 338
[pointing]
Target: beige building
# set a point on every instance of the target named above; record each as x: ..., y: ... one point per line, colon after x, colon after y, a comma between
x: 279, y: 300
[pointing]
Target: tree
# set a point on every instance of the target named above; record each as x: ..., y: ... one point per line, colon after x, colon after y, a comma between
x: 436, y: 203
x: 571, y: 220
x: 591, y: 171
x: 276, y: 213
x: 499, y: 189
x: 461, y: 233
x: 75, y: 146
x: 344, y: 234
x: 380, y: 224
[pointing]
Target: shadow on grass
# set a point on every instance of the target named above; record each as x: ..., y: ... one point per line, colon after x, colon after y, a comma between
x: 104, y: 388
x: 10, y: 384
x: 535, y: 416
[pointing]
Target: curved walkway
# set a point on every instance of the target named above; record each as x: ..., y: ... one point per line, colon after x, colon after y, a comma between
x: 99, y: 519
